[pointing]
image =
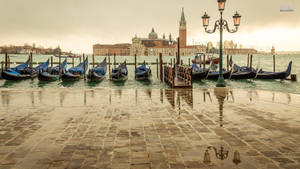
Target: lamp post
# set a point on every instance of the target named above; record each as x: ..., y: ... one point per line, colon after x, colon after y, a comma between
x: 221, y: 24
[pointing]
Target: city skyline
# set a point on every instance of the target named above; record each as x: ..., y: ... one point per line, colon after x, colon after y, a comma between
x: 77, y: 26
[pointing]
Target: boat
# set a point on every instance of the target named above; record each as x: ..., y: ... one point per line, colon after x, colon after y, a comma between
x: 67, y: 56
x: 23, y: 71
x: 76, y: 73
x: 241, y: 72
x: 52, y: 73
x: 213, y: 74
x: 198, y: 72
x: 210, y: 58
x: 97, y: 74
x: 119, y: 74
x: 142, y: 72
x: 274, y: 75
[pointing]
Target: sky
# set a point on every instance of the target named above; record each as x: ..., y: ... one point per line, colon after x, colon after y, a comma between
x: 75, y: 25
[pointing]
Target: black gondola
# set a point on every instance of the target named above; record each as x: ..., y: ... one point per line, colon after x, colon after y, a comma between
x: 198, y: 72
x: 274, y: 75
x: 243, y: 72
x: 142, y: 72
x: 52, y: 73
x: 215, y: 75
x: 97, y: 73
x: 76, y: 73
x: 119, y: 74
x: 23, y: 71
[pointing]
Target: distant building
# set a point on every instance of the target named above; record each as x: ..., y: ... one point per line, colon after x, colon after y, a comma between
x: 240, y: 51
x: 122, y: 49
x: 273, y: 50
x: 153, y: 45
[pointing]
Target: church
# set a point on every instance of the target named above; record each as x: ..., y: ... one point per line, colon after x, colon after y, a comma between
x: 153, y: 45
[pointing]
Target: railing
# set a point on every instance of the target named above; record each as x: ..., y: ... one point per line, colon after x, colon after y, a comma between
x: 169, y: 75
x: 184, y: 73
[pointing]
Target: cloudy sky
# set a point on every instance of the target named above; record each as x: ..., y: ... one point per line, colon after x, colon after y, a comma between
x: 76, y: 25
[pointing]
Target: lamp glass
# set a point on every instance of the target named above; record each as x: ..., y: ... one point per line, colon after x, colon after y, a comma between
x: 221, y: 4
x: 205, y: 19
x: 236, y: 19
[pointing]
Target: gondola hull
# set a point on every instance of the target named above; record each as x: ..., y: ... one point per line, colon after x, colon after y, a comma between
x: 118, y: 78
x: 243, y: 75
x: 146, y: 75
x: 215, y: 76
x: 275, y: 75
x: 71, y: 77
x: 47, y: 77
x: 10, y: 76
x: 199, y: 75
x: 94, y: 77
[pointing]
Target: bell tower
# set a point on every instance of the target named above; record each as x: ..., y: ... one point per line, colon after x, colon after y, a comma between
x: 182, y: 30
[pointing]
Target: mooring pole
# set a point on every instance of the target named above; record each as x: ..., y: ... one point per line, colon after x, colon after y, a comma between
x: 6, y: 59
x: 8, y: 63
x: 93, y: 60
x: 273, y: 63
x: 114, y: 60
x: 181, y: 62
x: 178, y: 51
x: 174, y: 61
x: 157, y: 67
x: 135, y: 62
x: 109, y: 64
x: 171, y: 61
x: 84, y: 68
x: 227, y: 62
x: 248, y: 60
x: 161, y: 66
x: 59, y: 68
x: 51, y: 60
x: 189, y: 61
x: 251, y: 56
x: 200, y: 60
x: 72, y: 61
x: 204, y: 62
x: 31, y: 67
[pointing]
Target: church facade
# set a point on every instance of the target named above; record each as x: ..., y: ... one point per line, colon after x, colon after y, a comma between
x: 153, y: 45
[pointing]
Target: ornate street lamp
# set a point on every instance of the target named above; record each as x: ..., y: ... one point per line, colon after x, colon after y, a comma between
x: 221, y: 24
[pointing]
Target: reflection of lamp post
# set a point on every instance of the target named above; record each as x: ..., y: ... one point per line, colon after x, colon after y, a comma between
x: 221, y: 154
x: 221, y: 24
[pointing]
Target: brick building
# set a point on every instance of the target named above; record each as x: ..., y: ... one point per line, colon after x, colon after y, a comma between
x: 121, y: 49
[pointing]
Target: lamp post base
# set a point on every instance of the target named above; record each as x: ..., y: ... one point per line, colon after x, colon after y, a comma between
x: 221, y: 82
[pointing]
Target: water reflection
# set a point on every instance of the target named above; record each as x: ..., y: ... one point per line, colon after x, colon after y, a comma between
x: 220, y: 152
x: 5, y: 97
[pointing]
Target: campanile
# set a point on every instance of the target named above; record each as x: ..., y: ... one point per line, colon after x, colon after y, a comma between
x: 182, y: 30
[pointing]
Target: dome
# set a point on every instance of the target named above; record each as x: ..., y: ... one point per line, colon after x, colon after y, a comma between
x: 152, y: 34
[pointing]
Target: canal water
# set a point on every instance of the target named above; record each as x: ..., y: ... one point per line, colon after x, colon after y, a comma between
x: 261, y: 61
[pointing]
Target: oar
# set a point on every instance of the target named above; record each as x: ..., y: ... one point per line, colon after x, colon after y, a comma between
x: 208, y: 69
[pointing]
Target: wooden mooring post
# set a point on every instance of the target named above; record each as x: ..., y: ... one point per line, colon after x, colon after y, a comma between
x: 227, y: 62
x: 135, y: 63
x: 171, y: 62
x: 109, y: 64
x: 51, y: 61
x: 59, y: 68
x: 248, y: 60
x: 31, y: 66
x: 157, y: 67
x: 200, y: 60
x: 251, y: 56
x: 114, y: 60
x: 84, y: 68
x: 274, y: 63
x: 72, y: 62
x: 189, y: 61
x: 161, y: 66
x: 204, y: 62
x: 93, y: 60
x: 6, y: 61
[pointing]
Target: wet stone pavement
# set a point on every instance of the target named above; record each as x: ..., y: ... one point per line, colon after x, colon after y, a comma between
x: 148, y: 128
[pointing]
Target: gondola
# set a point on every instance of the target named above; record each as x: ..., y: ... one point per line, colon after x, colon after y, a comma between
x: 52, y: 73
x: 142, y: 72
x: 274, y: 75
x: 97, y: 73
x: 75, y: 73
x: 23, y: 71
x: 213, y: 74
x: 119, y: 74
x: 198, y: 72
x: 243, y: 72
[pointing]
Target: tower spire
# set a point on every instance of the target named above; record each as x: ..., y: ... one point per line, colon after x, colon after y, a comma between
x: 182, y: 15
